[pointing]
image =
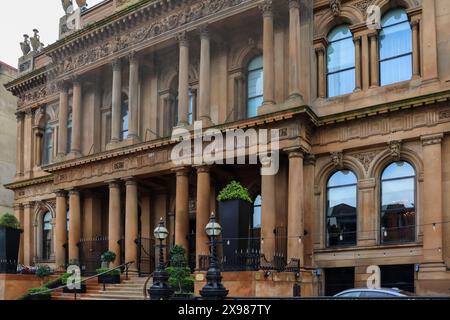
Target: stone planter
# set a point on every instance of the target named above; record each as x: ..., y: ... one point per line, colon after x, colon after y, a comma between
x: 235, y: 218
x: 9, y: 249
x: 109, y: 279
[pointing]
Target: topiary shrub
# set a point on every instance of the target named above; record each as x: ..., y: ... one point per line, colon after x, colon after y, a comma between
x: 9, y: 221
x: 234, y: 191
x: 180, y: 278
x: 108, y: 256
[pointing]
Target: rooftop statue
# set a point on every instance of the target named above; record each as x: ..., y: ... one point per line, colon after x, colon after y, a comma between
x: 36, y: 41
x: 81, y: 3
x: 25, y: 45
x: 67, y: 6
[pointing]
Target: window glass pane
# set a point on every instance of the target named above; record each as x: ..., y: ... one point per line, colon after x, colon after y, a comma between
x: 395, y: 41
x: 124, y: 125
x: 253, y: 105
x: 393, y: 17
x: 255, y: 83
x: 396, y: 70
x: 398, y: 203
x: 341, y: 55
x: 341, y: 83
x: 257, y: 212
x: 69, y: 132
x: 338, y: 33
x: 341, y: 209
x: 398, y: 169
x: 343, y: 177
x: 256, y: 63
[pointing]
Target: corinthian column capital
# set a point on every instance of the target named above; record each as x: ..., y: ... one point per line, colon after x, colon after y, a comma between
x: 294, y: 4
x: 267, y: 8
x: 183, y: 38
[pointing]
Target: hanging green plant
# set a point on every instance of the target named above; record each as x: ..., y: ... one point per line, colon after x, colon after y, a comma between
x: 234, y: 191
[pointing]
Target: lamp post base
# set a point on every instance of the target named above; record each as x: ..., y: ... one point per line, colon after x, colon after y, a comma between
x: 160, y: 290
x: 213, y: 290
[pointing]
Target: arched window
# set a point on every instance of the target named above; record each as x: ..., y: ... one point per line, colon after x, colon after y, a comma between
x: 341, y: 208
x: 254, y: 86
x: 340, y: 61
x: 47, y: 236
x: 190, y: 110
x: 69, y: 132
x: 395, y: 47
x: 124, y: 117
x: 398, y: 198
x: 47, y: 149
x: 256, y: 221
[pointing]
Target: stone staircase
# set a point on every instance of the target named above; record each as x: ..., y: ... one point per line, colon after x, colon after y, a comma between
x: 131, y: 289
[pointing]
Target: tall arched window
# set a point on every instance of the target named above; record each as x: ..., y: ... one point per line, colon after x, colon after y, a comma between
x: 395, y: 47
x: 256, y: 221
x: 341, y: 208
x: 47, y: 148
x: 69, y: 132
x: 340, y: 61
x: 398, y: 198
x: 255, y: 78
x: 124, y: 118
x: 190, y: 110
x: 47, y: 236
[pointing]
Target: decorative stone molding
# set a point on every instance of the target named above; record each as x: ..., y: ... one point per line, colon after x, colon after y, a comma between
x: 366, y: 183
x: 294, y: 4
x: 267, y: 8
x: 338, y: 159
x: 335, y: 7
x: 395, y: 149
x: 309, y: 159
x: 432, y: 139
x: 366, y: 158
x: 183, y: 38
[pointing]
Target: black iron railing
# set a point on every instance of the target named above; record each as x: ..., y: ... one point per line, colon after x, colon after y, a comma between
x: 91, y: 251
x: 146, y: 256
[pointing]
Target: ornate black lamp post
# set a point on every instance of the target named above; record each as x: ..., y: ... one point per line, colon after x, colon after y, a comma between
x: 213, y: 290
x: 160, y: 290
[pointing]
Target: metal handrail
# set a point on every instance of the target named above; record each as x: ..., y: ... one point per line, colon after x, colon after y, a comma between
x: 126, y: 265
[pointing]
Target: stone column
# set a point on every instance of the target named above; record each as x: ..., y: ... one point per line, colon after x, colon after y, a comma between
x: 429, y: 47
x: 358, y: 73
x: 433, y: 201
x: 367, y: 214
x: 268, y: 216
x: 18, y: 213
x: 38, y: 137
x: 114, y: 220
x: 415, y: 22
x: 116, y: 113
x: 374, y: 60
x: 61, y: 229
x: 28, y: 234
x: 268, y: 53
x: 74, y: 224
x: 294, y: 50
x: 28, y: 138
x: 205, y: 76
x: 308, y: 207
x: 20, y: 144
x: 182, y: 208
x: 365, y: 62
x: 133, y: 98
x: 76, y: 118
x: 183, y: 80
x: 295, y: 206
x: 203, y: 210
x: 320, y: 47
x: 63, y: 119
x: 131, y: 222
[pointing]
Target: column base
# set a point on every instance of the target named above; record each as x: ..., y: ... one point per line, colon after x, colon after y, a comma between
x: 73, y: 155
x: 61, y: 158
x: 206, y: 122
x: 113, y: 144
x: 133, y: 139
x: 292, y: 102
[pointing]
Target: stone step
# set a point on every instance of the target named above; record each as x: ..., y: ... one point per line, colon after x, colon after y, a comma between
x: 111, y: 296
x: 121, y: 292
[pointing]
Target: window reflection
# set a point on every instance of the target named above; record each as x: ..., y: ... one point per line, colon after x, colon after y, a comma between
x: 341, y: 209
x: 47, y: 236
x: 398, y: 209
x: 395, y: 47
x: 340, y: 62
x: 254, y: 86
x: 257, y: 213
x: 124, y: 117
x: 48, y: 144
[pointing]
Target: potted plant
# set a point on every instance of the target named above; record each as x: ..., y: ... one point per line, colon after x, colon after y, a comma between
x: 64, y: 279
x: 9, y: 243
x: 235, y: 209
x: 41, y: 293
x: 180, y: 278
x: 111, y: 277
x: 43, y: 272
x: 107, y: 257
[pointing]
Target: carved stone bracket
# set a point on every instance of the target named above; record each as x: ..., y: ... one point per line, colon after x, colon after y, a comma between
x: 395, y: 149
x: 338, y: 159
x: 432, y: 139
x: 335, y: 7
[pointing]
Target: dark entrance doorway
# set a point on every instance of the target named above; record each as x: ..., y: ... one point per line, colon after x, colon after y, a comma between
x: 339, y: 279
x: 398, y: 276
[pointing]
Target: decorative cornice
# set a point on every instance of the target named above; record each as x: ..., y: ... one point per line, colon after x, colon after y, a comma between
x: 432, y: 139
x: 29, y: 182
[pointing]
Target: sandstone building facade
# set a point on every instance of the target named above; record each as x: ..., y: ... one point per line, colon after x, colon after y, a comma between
x: 361, y: 104
x: 8, y: 105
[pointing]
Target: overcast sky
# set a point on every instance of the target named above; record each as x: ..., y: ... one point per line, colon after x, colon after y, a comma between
x: 18, y: 17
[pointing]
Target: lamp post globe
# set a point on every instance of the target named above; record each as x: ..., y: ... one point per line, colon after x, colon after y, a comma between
x: 213, y: 290
x: 160, y: 290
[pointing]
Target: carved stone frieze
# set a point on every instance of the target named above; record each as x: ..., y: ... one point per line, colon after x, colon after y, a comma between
x: 366, y: 158
x: 157, y: 27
